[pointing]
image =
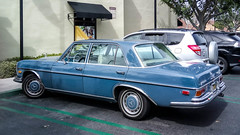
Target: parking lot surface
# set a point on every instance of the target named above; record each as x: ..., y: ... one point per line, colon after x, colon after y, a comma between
x: 64, y: 114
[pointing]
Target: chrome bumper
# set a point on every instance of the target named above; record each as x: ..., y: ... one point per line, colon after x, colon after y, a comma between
x: 18, y: 79
x: 200, y: 102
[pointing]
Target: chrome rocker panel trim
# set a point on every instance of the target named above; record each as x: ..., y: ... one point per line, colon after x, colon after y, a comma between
x: 200, y: 102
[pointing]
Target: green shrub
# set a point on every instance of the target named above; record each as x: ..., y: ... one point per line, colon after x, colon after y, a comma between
x: 8, y: 66
x: 8, y: 69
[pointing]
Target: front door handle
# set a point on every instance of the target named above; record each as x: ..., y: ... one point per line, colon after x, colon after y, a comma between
x: 78, y: 68
x: 120, y: 72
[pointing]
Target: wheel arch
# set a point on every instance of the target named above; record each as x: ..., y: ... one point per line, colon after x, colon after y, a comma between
x: 28, y: 72
x: 223, y: 53
x: 119, y: 87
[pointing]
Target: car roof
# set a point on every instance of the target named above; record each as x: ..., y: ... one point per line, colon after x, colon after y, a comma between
x: 170, y: 29
x: 121, y: 42
x: 162, y: 30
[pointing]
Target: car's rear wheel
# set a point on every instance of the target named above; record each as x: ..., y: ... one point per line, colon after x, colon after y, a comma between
x: 223, y: 64
x: 32, y: 86
x: 133, y: 104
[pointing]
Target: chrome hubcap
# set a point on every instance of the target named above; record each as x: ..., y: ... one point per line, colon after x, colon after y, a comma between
x: 34, y: 87
x: 221, y: 64
x: 132, y: 103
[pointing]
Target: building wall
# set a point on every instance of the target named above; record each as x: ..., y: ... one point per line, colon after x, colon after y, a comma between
x: 139, y: 14
x: 166, y: 18
x: 48, y: 30
x: 9, y: 29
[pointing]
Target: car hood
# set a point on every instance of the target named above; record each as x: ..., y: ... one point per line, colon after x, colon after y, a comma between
x: 51, y: 58
x: 39, y: 64
x: 177, y: 74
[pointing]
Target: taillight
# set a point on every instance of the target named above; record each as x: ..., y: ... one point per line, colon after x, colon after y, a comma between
x: 196, y: 49
x: 200, y: 92
x: 221, y: 78
x: 185, y: 92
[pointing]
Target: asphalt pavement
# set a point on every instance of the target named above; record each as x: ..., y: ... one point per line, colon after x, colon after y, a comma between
x: 65, y: 114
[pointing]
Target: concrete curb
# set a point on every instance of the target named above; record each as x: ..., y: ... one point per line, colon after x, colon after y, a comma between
x: 8, y: 85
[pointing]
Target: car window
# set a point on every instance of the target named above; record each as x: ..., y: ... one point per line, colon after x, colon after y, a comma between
x: 106, y: 54
x: 222, y: 37
x: 174, y: 38
x: 154, y: 54
x: 155, y: 37
x: 208, y: 38
x: 217, y: 39
x: 199, y: 39
x: 234, y: 37
x: 77, y: 53
x: 134, y: 37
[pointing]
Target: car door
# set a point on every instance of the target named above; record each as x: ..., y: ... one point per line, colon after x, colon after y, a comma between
x: 105, y: 68
x: 67, y: 73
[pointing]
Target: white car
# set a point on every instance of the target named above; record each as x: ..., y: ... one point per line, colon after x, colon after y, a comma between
x: 184, y: 44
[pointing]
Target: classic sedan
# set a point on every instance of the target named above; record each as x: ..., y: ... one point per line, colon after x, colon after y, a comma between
x: 135, y: 74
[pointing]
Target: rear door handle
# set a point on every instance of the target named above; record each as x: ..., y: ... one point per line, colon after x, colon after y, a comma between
x: 120, y: 72
x: 78, y: 68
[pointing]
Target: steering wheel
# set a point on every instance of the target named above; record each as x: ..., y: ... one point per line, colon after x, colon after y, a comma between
x: 77, y: 57
x: 83, y: 58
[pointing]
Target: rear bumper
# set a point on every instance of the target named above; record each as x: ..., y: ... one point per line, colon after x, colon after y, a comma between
x: 18, y: 79
x: 200, y: 102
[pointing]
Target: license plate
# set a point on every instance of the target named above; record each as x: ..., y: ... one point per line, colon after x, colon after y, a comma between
x: 214, y: 86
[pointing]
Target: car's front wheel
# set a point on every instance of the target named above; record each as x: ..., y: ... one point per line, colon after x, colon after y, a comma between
x: 133, y: 104
x: 223, y: 64
x: 32, y: 86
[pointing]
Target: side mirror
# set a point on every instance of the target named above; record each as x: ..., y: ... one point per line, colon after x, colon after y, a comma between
x: 213, y: 52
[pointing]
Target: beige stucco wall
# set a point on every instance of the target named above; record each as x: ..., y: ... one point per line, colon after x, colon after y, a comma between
x: 139, y: 14
x: 9, y: 29
x: 166, y: 18
x: 47, y: 29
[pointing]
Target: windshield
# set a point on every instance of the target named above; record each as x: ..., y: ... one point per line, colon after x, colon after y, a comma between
x: 235, y: 37
x: 154, y: 54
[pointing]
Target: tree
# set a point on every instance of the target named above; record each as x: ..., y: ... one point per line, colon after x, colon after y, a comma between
x: 199, y: 12
x: 230, y: 19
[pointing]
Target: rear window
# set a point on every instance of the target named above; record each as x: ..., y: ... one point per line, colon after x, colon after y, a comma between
x: 134, y: 37
x: 174, y: 38
x: 235, y: 37
x: 155, y: 37
x: 154, y: 54
x: 199, y: 39
x: 166, y: 38
x: 222, y: 37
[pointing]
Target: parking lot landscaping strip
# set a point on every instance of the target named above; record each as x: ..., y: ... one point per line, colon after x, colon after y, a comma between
x: 55, y: 121
x: 82, y: 117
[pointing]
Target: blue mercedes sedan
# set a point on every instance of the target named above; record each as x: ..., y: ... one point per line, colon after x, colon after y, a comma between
x: 135, y: 74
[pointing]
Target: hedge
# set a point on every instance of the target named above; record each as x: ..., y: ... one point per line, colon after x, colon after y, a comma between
x: 8, y: 66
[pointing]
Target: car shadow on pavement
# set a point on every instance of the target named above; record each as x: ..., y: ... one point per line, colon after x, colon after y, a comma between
x: 84, y: 101
x: 234, y: 71
x: 201, y: 117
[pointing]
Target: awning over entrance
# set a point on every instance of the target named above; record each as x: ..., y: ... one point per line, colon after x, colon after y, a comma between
x: 85, y: 10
